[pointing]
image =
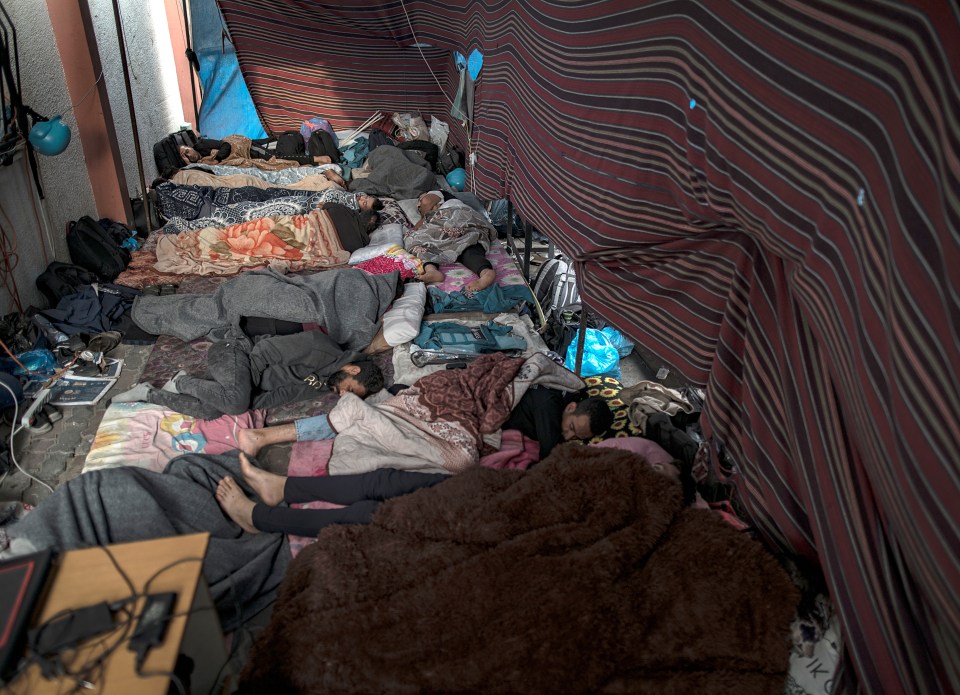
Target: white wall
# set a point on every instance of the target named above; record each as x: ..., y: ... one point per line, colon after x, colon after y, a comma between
x: 64, y: 178
x: 66, y: 184
x: 153, y: 79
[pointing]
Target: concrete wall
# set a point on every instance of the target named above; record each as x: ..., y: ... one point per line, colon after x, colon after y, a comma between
x: 65, y: 180
x: 153, y: 79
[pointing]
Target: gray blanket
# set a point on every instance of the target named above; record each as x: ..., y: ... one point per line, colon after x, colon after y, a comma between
x: 121, y: 505
x: 395, y: 174
x: 347, y: 302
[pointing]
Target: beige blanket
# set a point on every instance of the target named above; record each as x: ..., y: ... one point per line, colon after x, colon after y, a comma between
x: 198, y: 177
x: 436, y: 425
x: 285, y: 243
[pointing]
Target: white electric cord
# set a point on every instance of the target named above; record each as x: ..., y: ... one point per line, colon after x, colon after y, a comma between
x: 13, y: 431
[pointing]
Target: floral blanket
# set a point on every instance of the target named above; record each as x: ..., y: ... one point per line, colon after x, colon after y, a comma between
x: 284, y: 242
x: 441, y: 421
x: 144, y: 435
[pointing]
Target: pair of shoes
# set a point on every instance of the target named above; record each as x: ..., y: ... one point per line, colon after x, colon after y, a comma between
x: 163, y: 290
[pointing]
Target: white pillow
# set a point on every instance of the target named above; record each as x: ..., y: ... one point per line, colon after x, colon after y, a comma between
x: 368, y: 252
x: 387, y: 234
x: 409, y: 207
x: 401, y: 323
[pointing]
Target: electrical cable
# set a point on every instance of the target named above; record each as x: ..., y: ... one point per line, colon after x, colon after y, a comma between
x: 85, y: 95
x: 13, y: 431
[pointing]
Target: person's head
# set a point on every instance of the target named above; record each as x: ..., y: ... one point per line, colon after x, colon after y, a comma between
x: 369, y: 203
x: 189, y: 155
x: 362, y: 379
x: 369, y: 220
x: 428, y: 202
x: 588, y: 418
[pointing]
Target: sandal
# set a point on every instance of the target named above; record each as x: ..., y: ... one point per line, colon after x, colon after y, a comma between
x: 151, y: 290
x: 167, y: 289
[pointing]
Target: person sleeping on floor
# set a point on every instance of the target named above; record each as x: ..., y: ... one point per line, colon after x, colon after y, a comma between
x: 451, y: 231
x: 266, y: 361
x: 543, y: 414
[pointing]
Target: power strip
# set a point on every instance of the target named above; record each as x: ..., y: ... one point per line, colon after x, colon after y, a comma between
x: 42, y: 397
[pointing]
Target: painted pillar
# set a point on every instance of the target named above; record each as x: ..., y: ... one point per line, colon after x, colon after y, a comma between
x: 81, y: 66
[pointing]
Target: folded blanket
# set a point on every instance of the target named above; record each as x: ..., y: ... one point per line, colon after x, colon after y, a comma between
x: 582, y: 575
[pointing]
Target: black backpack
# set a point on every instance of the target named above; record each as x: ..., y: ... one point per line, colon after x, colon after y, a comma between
x: 61, y: 279
x: 427, y: 149
x: 290, y: 144
x: 450, y: 159
x: 166, y: 153
x: 93, y: 248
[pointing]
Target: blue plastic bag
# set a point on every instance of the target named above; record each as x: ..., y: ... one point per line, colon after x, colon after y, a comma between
x: 617, y: 339
x: 600, y: 356
x: 40, y: 363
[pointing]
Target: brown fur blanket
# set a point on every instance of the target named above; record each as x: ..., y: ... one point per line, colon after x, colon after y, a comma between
x: 581, y: 575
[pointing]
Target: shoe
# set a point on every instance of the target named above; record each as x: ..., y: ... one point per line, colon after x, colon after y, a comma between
x: 104, y: 342
x: 40, y: 424
x: 151, y: 290
x: 167, y: 289
x: 53, y: 415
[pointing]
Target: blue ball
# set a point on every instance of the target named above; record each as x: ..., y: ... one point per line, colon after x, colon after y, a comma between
x: 457, y: 179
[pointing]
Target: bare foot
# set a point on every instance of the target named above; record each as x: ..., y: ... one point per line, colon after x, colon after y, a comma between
x: 268, y: 486
x: 335, y: 177
x: 250, y: 442
x: 487, y: 277
x: 238, y: 506
x: 431, y: 274
x: 322, y: 159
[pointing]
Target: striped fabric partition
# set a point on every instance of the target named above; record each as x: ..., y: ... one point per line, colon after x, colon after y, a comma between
x: 763, y: 193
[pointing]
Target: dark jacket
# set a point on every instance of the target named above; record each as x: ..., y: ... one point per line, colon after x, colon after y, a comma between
x: 279, y: 365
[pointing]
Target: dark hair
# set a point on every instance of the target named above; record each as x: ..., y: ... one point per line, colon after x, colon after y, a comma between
x: 370, y: 377
x: 369, y: 220
x: 377, y: 204
x: 601, y: 417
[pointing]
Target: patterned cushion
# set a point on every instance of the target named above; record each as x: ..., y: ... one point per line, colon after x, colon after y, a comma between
x: 609, y: 389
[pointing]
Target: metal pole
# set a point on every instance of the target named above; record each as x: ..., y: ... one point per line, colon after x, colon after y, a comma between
x: 193, y: 89
x: 527, y: 245
x: 133, y: 116
x: 581, y: 336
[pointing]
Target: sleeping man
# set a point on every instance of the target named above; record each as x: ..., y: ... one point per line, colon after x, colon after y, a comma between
x: 451, y: 231
x: 245, y: 373
x: 544, y: 414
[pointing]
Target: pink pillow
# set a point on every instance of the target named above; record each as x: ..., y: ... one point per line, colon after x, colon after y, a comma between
x: 649, y: 449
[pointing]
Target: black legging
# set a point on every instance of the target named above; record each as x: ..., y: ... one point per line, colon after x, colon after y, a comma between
x: 362, y: 493
x: 474, y: 258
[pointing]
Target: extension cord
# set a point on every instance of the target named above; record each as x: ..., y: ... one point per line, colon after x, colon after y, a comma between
x: 42, y: 397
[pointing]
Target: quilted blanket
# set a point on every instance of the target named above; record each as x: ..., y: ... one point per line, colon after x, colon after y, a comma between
x: 284, y: 242
x: 440, y: 421
x: 584, y: 574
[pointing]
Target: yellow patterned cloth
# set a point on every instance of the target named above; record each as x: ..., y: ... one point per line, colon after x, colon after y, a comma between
x: 609, y: 389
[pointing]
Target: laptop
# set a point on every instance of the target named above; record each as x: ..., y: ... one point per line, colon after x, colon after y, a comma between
x: 22, y: 583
